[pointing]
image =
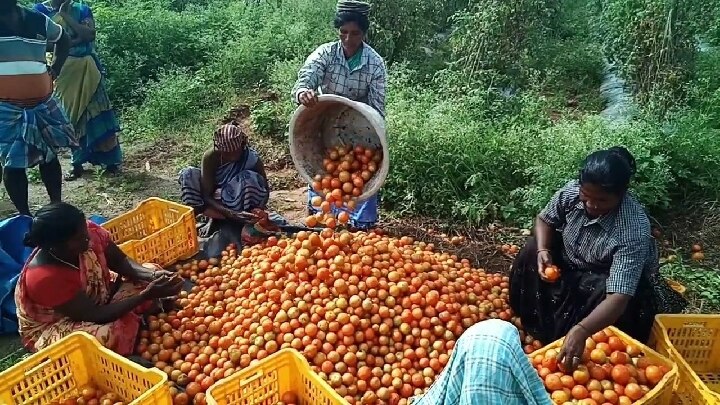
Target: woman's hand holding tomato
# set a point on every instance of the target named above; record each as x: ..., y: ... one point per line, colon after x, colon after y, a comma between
x: 544, y: 262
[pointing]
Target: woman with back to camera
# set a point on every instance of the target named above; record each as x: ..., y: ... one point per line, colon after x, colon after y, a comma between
x: 487, y: 367
x: 81, y: 88
x: 77, y: 279
x: 349, y: 68
x: 599, y: 236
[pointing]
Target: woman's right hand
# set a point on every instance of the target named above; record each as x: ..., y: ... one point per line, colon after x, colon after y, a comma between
x: 244, y: 217
x: 308, y: 98
x: 544, y: 259
x: 163, y: 287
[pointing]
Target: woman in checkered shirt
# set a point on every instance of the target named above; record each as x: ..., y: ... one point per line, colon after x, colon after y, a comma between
x: 600, y: 238
x: 350, y: 68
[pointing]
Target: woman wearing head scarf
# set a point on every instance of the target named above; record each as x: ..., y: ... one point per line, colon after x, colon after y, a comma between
x: 350, y: 68
x: 81, y: 89
x: 599, y: 237
x: 231, y: 181
x: 77, y: 279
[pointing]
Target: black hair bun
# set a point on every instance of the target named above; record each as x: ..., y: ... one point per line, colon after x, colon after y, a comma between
x: 626, y: 155
x: 29, y: 241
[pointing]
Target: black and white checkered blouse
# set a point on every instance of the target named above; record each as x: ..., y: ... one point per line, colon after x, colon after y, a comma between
x: 327, y: 69
x: 621, y: 240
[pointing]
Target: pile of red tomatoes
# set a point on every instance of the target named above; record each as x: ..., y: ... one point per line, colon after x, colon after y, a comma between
x: 377, y: 317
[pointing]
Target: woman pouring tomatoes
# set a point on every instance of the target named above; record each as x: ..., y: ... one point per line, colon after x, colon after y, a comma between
x: 351, y: 68
x: 592, y: 263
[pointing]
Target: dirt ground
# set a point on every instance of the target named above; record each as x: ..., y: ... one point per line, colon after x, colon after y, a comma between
x: 98, y: 194
x: 107, y: 196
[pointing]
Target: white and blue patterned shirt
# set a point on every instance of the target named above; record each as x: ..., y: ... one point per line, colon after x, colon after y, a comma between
x: 620, y: 240
x: 327, y: 70
x: 487, y: 367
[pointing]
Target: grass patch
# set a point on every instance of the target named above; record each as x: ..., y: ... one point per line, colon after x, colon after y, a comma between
x: 703, y: 285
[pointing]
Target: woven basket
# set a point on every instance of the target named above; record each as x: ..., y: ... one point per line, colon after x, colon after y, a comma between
x: 336, y: 121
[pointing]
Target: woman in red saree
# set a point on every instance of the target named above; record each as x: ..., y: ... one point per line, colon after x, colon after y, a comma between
x: 77, y: 279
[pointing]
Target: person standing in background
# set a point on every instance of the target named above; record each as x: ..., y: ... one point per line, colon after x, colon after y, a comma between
x: 349, y: 68
x: 33, y: 125
x: 81, y: 89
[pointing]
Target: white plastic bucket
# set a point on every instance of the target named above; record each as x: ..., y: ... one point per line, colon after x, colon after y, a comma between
x: 336, y: 121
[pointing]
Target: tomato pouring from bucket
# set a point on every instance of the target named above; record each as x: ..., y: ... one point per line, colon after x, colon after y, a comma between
x: 340, y: 148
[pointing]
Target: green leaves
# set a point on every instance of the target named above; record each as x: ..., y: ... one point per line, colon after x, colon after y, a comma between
x: 703, y: 284
x: 653, y: 42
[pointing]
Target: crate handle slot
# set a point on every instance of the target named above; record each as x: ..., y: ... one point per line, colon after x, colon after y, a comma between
x: 38, y: 367
x: 251, y: 379
x: 694, y: 324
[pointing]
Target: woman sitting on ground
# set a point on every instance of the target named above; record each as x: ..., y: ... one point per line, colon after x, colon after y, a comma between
x: 599, y: 237
x: 77, y: 279
x: 231, y: 181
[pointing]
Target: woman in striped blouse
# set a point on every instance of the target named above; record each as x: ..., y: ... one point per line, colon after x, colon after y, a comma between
x: 600, y: 238
x: 33, y: 126
x: 231, y: 180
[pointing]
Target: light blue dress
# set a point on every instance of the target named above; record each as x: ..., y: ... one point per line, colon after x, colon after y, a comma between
x: 487, y: 367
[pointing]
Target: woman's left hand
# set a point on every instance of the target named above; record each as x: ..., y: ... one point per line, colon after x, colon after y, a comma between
x: 153, y: 272
x: 571, y: 353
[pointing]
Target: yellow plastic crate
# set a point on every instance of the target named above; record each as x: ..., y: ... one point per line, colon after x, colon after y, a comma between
x: 61, y: 369
x: 662, y: 394
x: 156, y: 231
x: 693, y: 342
x: 265, y: 382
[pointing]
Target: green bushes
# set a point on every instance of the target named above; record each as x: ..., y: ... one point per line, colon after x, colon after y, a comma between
x: 706, y: 20
x: 403, y: 29
x: 693, y: 146
x: 558, y: 152
x: 271, y: 118
x: 193, y: 63
x: 496, y: 37
x: 138, y: 44
x: 233, y: 44
x: 705, y: 88
x: 654, y: 43
x: 177, y: 98
x: 446, y: 162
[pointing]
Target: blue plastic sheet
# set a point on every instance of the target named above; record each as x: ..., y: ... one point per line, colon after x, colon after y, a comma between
x: 97, y: 219
x: 13, y: 254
